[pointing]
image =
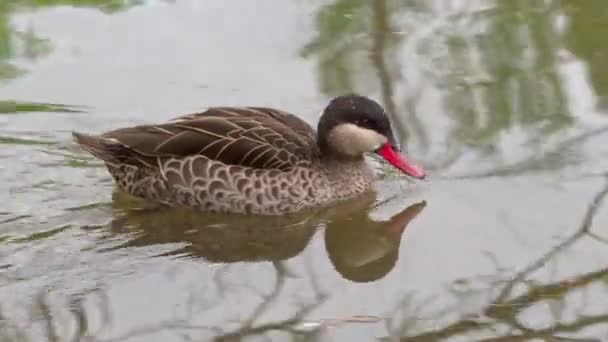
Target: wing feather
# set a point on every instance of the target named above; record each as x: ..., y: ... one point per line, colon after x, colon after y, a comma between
x: 256, y: 137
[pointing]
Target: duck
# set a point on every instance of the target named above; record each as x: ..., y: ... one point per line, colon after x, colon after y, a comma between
x: 252, y: 160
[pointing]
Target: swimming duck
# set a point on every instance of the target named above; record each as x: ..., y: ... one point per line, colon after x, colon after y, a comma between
x: 252, y: 160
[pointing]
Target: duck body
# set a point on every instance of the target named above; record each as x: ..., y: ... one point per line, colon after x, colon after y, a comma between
x: 242, y: 160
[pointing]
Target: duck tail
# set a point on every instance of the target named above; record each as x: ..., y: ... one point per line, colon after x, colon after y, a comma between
x: 100, y: 147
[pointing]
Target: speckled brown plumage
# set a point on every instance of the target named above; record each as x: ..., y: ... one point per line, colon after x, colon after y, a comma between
x: 247, y: 160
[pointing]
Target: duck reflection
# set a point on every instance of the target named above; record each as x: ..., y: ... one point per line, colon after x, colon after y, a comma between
x: 364, y: 250
x: 360, y: 248
x: 213, y: 237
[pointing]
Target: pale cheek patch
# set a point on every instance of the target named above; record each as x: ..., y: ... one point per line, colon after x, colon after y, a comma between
x: 353, y: 140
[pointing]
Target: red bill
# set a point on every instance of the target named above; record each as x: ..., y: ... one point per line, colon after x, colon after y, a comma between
x: 399, y: 161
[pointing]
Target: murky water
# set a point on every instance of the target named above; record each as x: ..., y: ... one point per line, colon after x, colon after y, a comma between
x: 505, y: 101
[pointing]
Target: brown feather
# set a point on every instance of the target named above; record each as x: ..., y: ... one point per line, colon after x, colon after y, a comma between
x: 247, y: 136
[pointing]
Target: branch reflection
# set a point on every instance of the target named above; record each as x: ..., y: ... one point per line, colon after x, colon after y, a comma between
x: 500, y: 319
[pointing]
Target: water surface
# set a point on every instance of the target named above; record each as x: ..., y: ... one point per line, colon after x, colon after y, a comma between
x: 504, y: 101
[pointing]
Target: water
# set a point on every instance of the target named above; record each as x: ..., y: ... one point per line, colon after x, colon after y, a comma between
x: 504, y: 101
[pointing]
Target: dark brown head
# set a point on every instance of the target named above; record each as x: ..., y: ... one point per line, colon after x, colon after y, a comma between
x: 352, y: 125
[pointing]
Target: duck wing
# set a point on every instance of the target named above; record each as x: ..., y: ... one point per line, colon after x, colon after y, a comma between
x: 255, y: 137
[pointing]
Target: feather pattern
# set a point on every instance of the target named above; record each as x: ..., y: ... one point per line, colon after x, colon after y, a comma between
x: 247, y: 160
x: 246, y: 136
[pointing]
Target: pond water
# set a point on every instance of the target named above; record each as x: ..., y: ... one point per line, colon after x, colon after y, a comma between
x: 504, y: 101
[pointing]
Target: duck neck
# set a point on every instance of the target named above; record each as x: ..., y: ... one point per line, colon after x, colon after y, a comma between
x: 347, y: 176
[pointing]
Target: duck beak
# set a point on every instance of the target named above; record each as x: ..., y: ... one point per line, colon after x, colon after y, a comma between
x: 390, y: 153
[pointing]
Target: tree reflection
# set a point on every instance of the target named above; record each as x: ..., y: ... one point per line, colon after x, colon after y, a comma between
x: 356, y: 49
x: 517, y: 57
x: 494, y: 69
x: 28, y: 45
x: 503, y: 312
x: 584, y: 37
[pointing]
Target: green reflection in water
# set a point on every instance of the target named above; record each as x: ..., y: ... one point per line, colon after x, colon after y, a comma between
x: 21, y: 141
x: 14, y: 107
x: 496, y: 68
x: 585, y: 37
x: 356, y: 49
x: 15, y: 43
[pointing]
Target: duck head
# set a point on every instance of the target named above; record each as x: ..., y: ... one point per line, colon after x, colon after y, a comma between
x: 352, y: 125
